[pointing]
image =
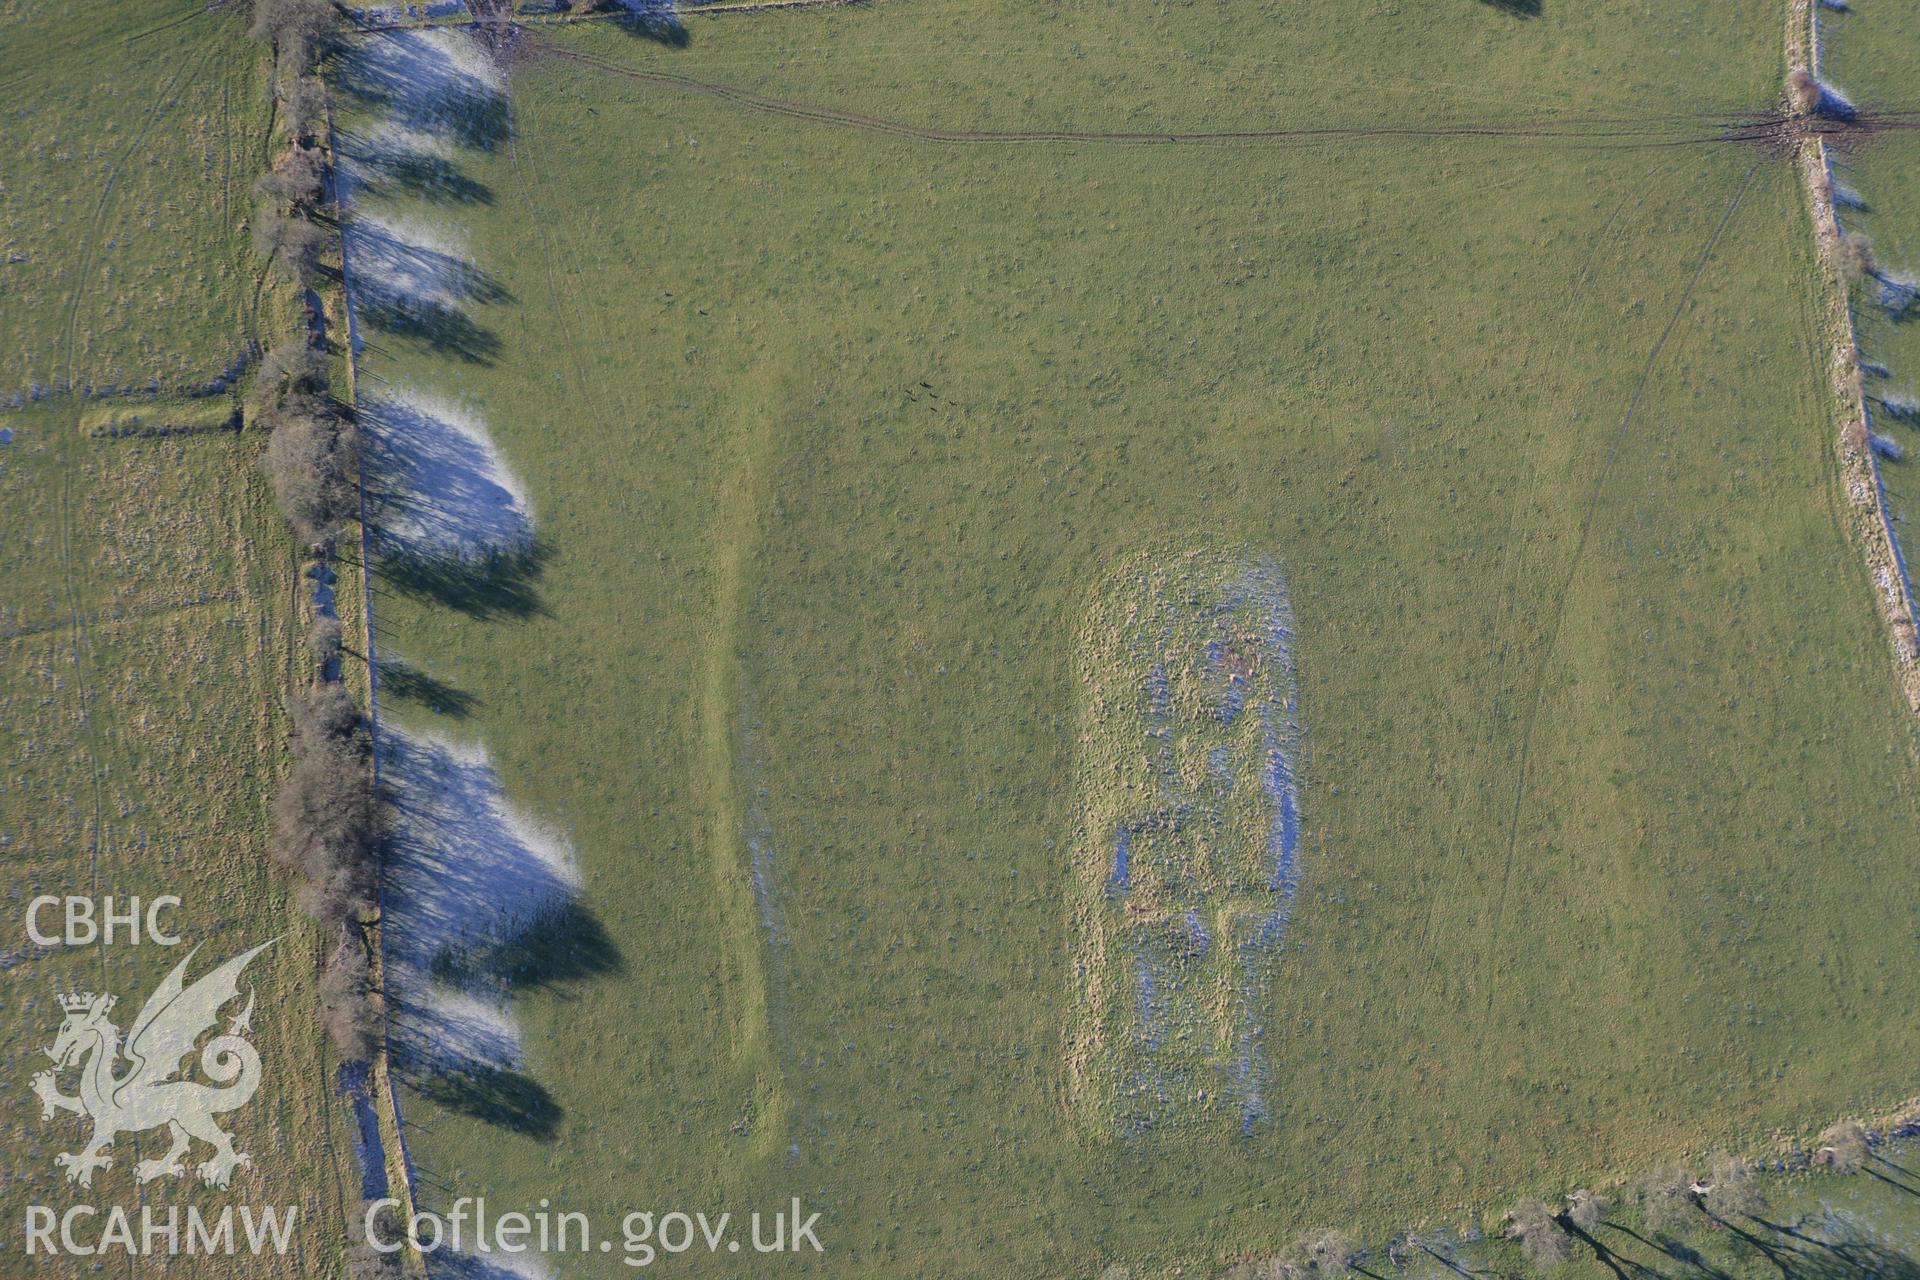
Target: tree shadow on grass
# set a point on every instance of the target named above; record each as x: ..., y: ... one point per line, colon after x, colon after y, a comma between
x: 1846, y: 1256
x: 498, y: 1095
x: 1780, y: 1254
x: 432, y: 325
x: 420, y: 82
x: 1896, y: 1183
x: 1518, y: 8
x: 448, y: 1265
x: 501, y: 585
x: 1623, y: 1267
x: 1909, y: 413
x: 438, y: 492
x: 397, y: 267
x: 656, y: 22
x: 1444, y: 1256
x: 1789, y: 1253
x: 421, y: 175
x: 1696, y: 1267
x: 565, y: 944
x: 410, y: 684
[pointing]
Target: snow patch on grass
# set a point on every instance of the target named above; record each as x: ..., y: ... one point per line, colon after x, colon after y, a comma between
x: 410, y: 263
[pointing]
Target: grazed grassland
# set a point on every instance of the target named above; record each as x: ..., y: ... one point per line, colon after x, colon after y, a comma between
x: 128, y: 146
x: 831, y: 434
x: 147, y: 650
x: 149, y: 597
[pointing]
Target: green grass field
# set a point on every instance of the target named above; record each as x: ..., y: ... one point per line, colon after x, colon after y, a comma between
x: 128, y: 148
x: 833, y: 438
x: 149, y: 598
x: 147, y: 649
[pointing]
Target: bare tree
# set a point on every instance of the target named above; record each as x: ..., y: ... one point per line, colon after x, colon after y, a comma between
x: 301, y: 30
x: 292, y: 244
x: 1855, y: 253
x: 323, y: 812
x: 364, y: 1262
x: 323, y: 833
x: 1587, y: 1210
x: 1803, y: 91
x: 312, y: 460
x: 323, y: 639
x: 1844, y: 1146
x: 1732, y: 1190
x: 1317, y: 1255
x: 1666, y: 1198
x: 1543, y: 1241
x: 286, y: 371
x: 346, y: 998
x: 303, y: 105
x: 297, y: 180
x: 325, y: 715
x: 1855, y: 437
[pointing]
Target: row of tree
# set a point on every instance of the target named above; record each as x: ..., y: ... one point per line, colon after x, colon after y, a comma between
x: 324, y: 832
x: 287, y: 226
x: 323, y: 813
x: 323, y: 835
x: 1669, y: 1200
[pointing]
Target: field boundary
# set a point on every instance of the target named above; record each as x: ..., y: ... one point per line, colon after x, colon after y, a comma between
x: 464, y: 17
x: 386, y: 1097
x: 1860, y: 469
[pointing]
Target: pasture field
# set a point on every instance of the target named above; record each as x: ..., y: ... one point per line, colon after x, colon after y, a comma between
x: 759, y: 485
x: 145, y: 652
x: 149, y: 596
x: 128, y: 148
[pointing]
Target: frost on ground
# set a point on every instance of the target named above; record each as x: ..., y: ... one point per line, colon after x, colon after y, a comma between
x: 470, y: 884
x: 1189, y: 856
x: 412, y: 279
x: 478, y: 898
x: 436, y: 485
x: 495, y: 1266
x: 431, y: 88
x: 412, y: 102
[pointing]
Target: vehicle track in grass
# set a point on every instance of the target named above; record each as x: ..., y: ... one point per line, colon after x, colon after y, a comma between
x: 1523, y: 766
x: 71, y: 584
x: 1648, y: 131
x: 1617, y: 228
x: 72, y: 440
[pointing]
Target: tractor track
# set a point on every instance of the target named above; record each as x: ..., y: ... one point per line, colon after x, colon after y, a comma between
x: 1651, y: 131
x: 183, y: 76
x: 1523, y: 766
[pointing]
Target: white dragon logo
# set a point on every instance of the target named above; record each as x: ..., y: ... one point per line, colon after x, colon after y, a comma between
x: 148, y: 1096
